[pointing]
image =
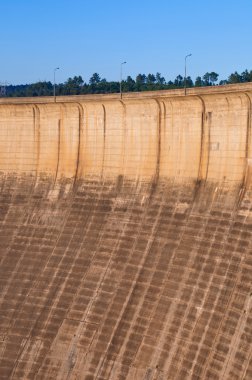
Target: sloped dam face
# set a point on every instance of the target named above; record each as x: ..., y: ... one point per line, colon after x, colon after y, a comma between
x: 126, y: 236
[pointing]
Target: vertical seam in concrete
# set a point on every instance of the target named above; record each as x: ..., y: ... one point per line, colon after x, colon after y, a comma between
x: 244, y: 184
x: 104, y: 139
x: 36, y: 123
x: 164, y: 117
x: 162, y: 130
x: 38, y: 143
x: 124, y: 136
x: 58, y: 156
x: 85, y: 136
x: 156, y: 175
x: 80, y: 109
x: 248, y: 134
x: 60, y: 124
x: 205, y: 140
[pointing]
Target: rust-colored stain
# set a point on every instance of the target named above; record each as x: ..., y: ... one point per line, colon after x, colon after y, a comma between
x: 126, y: 236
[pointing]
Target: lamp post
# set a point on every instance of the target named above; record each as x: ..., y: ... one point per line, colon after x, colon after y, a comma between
x: 54, y: 92
x: 123, y: 63
x: 188, y: 55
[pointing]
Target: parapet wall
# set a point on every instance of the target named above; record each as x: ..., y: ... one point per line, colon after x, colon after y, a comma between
x: 205, y: 136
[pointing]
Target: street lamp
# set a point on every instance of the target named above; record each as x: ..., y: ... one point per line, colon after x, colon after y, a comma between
x: 188, y: 55
x: 54, y: 92
x: 123, y: 63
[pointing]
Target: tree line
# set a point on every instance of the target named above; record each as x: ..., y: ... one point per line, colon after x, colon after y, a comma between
x: 142, y: 82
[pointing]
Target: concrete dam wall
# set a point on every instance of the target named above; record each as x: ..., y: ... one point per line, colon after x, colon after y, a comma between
x: 126, y: 236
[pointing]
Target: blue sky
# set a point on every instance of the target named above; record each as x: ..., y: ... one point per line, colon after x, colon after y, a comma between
x: 87, y: 36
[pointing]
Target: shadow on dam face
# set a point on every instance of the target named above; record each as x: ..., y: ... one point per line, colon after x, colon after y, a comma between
x: 126, y: 227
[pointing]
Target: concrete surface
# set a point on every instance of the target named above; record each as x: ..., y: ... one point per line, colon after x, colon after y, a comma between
x: 125, y: 227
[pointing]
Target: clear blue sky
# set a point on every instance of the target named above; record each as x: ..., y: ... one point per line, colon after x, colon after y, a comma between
x: 87, y: 36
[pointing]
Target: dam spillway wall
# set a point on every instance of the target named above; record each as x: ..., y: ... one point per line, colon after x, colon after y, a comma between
x: 126, y: 230
x: 204, y: 137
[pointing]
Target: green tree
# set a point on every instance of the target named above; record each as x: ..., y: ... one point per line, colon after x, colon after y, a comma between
x: 78, y: 81
x: 39, y: 89
x: 234, y: 78
x: 223, y: 82
x: 160, y: 79
x: 189, y: 82
x: 72, y: 86
x: 141, y: 79
x: 95, y: 78
x: 130, y: 84
x: 179, y: 81
x: 151, y: 79
x: 140, y: 82
x: 170, y: 83
x: 198, y: 82
x: 246, y: 76
x: 206, y: 79
x: 213, y: 77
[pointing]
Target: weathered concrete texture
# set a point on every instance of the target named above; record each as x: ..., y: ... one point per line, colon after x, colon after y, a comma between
x: 126, y: 227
